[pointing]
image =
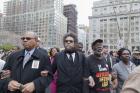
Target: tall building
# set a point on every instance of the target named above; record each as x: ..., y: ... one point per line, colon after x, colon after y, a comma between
x: 71, y: 13
x: 1, y: 22
x: 117, y: 22
x: 45, y: 17
x: 7, y: 37
x: 82, y: 36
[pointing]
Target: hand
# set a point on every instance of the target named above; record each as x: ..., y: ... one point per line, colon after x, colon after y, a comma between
x: 5, y: 74
x: 28, y: 88
x: 114, y: 83
x: 114, y: 75
x: 91, y: 81
x: 13, y: 85
x: 44, y: 73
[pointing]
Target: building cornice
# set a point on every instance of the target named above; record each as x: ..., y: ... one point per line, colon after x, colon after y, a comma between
x: 111, y: 4
x: 112, y: 15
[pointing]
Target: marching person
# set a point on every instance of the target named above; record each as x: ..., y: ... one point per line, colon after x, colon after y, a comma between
x: 69, y: 65
x: 99, y: 74
x: 25, y: 67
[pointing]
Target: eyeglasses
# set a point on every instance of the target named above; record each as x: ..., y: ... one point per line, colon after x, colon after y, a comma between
x: 71, y: 41
x: 125, y: 54
x: 27, y: 38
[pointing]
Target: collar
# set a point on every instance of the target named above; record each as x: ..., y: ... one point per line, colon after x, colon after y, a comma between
x: 129, y: 63
x: 35, y: 54
x: 31, y: 51
x: 73, y: 54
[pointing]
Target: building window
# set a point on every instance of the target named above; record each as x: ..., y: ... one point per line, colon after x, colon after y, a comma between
x: 132, y: 18
x: 95, y: 10
x: 125, y: 29
x: 101, y: 35
x: 105, y: 30
x: 125, y: 17
x: 137, y: 22
x: 113, y: 19
x: 105, y: 9
x: 111, y: 47
x: 132, y: 40
x: 132, y: 34
x: 114, y: 7
x: 137, y: 28
x: 105, y: 36
x: 111, y: 41
x: 136, y: 4
x: 132, y: 29
x: 105, y: 41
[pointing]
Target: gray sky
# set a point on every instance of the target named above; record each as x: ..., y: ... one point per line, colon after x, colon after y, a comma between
x: 84, y: 8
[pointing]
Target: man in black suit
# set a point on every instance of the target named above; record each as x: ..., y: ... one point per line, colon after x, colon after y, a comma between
x: 70, y: 66
x: 26, y: 66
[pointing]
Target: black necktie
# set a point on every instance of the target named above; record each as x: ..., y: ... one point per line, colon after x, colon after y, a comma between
x: 70, y: 58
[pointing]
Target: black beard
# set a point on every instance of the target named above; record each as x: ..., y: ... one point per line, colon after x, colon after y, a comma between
x: 70, y: 51
x: 98, y: 55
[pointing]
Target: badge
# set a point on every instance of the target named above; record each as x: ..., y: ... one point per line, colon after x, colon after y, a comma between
x: 35, y: 64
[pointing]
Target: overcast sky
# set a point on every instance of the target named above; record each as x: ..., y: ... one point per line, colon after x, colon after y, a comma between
x: 84, y: 8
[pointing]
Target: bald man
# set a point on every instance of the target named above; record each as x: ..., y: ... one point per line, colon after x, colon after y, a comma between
x: 26, y: 66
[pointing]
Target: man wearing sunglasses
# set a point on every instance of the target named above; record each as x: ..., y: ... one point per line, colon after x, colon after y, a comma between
x: 26, y: 66
x: 69, y: 65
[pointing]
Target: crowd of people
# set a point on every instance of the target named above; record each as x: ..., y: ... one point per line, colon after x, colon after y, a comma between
x: 36, y: 70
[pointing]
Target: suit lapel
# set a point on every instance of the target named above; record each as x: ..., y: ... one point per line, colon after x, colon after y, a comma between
x: 65, y: 64
x: 35, y: 55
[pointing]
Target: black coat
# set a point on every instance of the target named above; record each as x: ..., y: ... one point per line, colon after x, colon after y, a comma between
x: 29, y: 74
x: 70, y: 75
x: 136, y: 61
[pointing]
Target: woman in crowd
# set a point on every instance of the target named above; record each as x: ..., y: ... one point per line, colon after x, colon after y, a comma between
x: 53, y: 52
x: 123, y: 68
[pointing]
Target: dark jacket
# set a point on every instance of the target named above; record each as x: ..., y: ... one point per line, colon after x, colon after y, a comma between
x: 70, y: 75
x: 29, y: 74
x: 136, y: 61
x: 109, y: 61
x: 2, y: 82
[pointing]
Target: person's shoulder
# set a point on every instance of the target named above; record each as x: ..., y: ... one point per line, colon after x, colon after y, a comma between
x: 60, y: 54
x: 2, y: 61
x: 42, y: 50
x: 91, y: 59
x: 90, y: 56
x: 20, y: 52
x: 80, y: 54
x: 115, y: 66
x: 39, y: 52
